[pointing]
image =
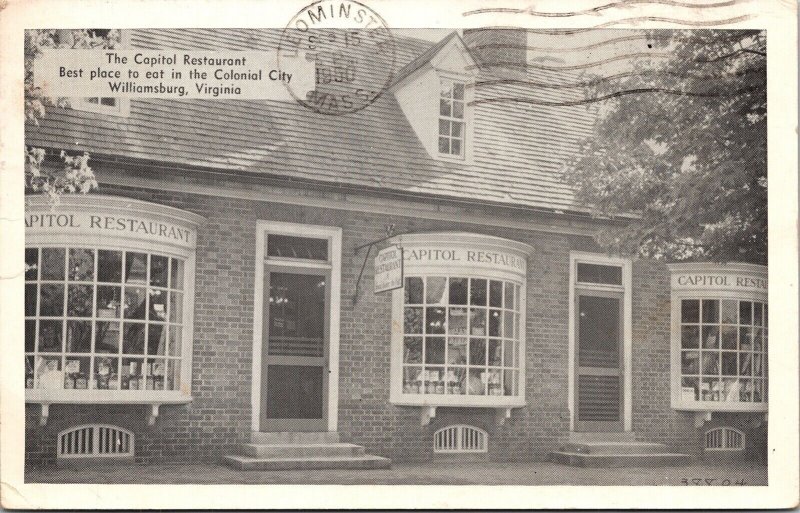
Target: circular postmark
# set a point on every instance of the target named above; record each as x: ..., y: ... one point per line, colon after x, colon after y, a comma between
x: 353, y: 52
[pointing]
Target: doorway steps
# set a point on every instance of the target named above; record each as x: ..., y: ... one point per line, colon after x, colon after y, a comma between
x: 302, y: 451
x: 616, y: 450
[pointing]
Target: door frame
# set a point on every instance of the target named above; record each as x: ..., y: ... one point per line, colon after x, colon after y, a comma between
x: 334, y: 236
x: 576, y: 257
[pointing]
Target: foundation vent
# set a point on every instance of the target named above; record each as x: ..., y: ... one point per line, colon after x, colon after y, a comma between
x: 460, y: 439
x: 724, y: 439
x: 95, y: 441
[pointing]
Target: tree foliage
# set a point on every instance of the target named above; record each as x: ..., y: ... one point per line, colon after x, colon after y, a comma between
x: 684, y: 158
x: 74, y: 175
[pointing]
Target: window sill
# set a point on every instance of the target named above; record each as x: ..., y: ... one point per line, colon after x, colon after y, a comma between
x: 715, y: 406
x: 429, y: 403
x: 154, y: 398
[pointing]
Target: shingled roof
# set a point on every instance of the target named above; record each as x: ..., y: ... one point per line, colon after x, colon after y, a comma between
x: 519, y: 147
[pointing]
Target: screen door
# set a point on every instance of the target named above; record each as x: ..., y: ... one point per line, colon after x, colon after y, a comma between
x: 599, y: 376
x: 295, y: 368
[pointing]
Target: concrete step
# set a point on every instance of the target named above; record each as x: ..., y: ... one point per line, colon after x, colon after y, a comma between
x: 614, y: 448
x: 294, y: 437
x: 300, y: 450
x: 620, y: 460
x: 614, y: 436
x: 365, y: 461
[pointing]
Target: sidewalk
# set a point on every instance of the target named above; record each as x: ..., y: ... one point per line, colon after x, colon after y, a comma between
x: 435, y: 473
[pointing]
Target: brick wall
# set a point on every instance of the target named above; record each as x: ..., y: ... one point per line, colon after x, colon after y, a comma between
x: 219, y: 416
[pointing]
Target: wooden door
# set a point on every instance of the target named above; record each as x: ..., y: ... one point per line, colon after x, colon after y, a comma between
x: 599, y: 366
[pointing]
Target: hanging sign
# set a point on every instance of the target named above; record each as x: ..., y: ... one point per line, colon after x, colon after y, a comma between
x: 389, y: 269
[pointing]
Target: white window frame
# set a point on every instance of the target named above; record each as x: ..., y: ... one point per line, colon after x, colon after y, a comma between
x: 465, y: 121
x: 122, y: 108
x: 333, y: 235
x: 102, y: 204
x: 578, y: 257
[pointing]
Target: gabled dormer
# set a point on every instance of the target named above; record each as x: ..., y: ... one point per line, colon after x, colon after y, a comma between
x: 434, y: 91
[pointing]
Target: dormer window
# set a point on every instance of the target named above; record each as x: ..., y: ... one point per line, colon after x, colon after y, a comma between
x: 451, y: 117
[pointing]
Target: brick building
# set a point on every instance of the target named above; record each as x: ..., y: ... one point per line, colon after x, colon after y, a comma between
x: 215, y: 297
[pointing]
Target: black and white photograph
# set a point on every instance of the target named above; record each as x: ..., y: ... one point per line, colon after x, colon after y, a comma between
x: 327, y: 249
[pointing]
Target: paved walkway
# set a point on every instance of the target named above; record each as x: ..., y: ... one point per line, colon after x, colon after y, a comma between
x: 436, y: 473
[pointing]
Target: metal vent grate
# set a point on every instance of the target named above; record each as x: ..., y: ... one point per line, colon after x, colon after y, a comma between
x: 95, y: 440
x: 724, y: 439
x: 460, y: 439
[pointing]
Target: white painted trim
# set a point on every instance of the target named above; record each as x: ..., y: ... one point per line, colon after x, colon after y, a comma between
x: 356, y: 203
x: 627, y: 332
x: 334, y: 235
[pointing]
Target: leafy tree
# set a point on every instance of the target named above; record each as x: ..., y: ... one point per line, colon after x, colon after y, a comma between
x: 680, y: 150
x: 75, y: 175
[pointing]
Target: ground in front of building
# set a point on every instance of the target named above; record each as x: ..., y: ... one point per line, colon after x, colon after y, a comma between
x: 435, y: 473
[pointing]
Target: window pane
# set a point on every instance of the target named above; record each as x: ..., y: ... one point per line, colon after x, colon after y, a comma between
x: 457, y: 323
x: 746, y: 390
x: 477, y: 382
x: 745, y: 312
x: 444, y: 127
x: 477, y: 351
x: 690, y: 362
x: 690, y: 310
x: 288, y: 246
x: 79, y: 336
x: 434, y: 321
x: 108, y: 102
x: 446, y: 88
x: 109, y: 266
x: 31, y: 263
x: 435, y: 288
x: 29, y: 371
x: 690, y: 389
x: 174, y: 341
x: 457, y: 351
x: 495, y: 317
x: 175, y: 307
x: 109, y: 302
x: 434, y: 382
x: 413, y: 291
x: 106, y: 337
x: 595, y: 273
x: 412, y: 352
x: 458, y: 90
x: 52, y: 300
x: 458, y: 291
x: 458, y: 112
x: 730, y: 389
x: 412, y: 380
x: 76, y: 373
x: 510, y: 382
x: 728, y: 311
x: 745, y: 364
x: 444, y: 145
x: 477, y: 322
x: 509, y: 296
x: 746, y: 339
x: 496, y: 294
x: 155, y: 374
x: 157, y: 310
x: 434, y: 350
x: 134, y: 302
x: 50, y: 335
x: 176, y: 274
x: 508, y: 325
x: 48, y: 373
x: 81, y: 265
x: 710, y: 362
x: 729, y: 365
x: 31, y: 297
x: 456, y: 378
x: 729, y: 337
x: 757, y: 314
x: 757, y: 333
x: 30, y: 336
x: 495, y: 352
x: 455, y: 147
x: 136, y: 268
x: 709, y: 390
x: 690, y: 336
x: 53, y: 263
x: 477, y: 292
x: 710, y: 310
x: 413, y: 320
x: 710, y: 336
x: 159, y: 268
x: 156, y: 339
x: 173, y: 375
x: 79, y: 300
x: 758, y: 370
x: 133, y: 338
x: 132, y: 374
x: 445, y: 107
x: 508, y: 353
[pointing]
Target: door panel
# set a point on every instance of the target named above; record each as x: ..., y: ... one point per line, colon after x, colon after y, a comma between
x: 295, y: 368
x: 599, y: 356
